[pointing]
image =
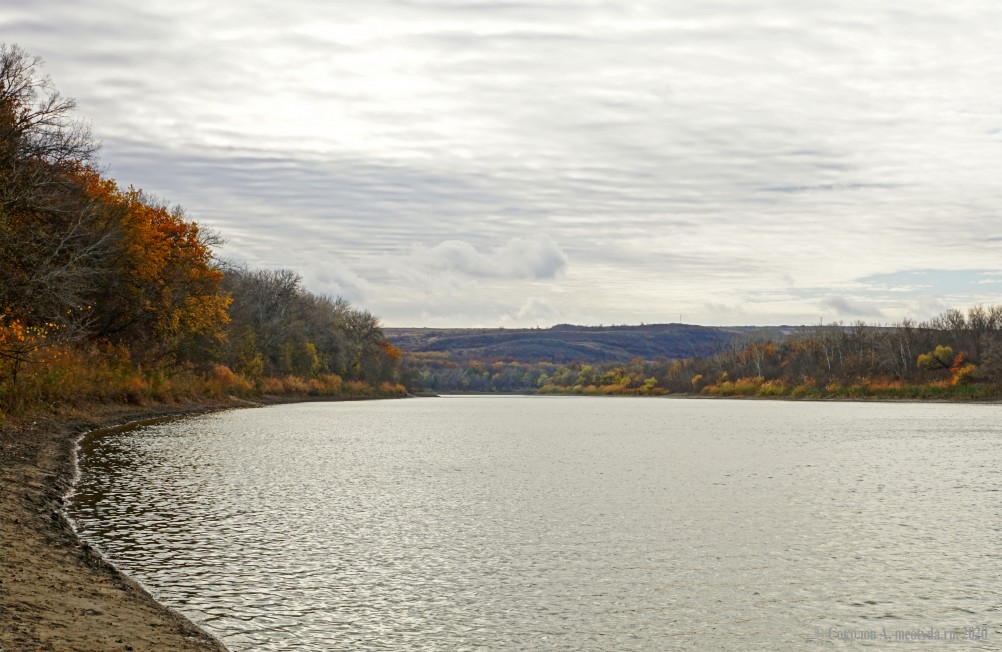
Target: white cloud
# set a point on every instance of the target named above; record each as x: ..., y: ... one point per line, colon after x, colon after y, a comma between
x: 844, y: 308
x: 538, y: 309
x: 328, y: 275
x: 520, y: 258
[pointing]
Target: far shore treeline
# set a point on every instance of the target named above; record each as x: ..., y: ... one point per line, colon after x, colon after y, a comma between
x: 110, y: 294
x: 955, y: 355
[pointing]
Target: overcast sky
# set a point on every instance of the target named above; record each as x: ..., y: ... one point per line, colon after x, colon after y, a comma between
x: 523, y: 163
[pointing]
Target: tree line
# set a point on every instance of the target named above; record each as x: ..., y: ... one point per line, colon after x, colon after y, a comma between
x: 956, y: 354
x: 108, y: 292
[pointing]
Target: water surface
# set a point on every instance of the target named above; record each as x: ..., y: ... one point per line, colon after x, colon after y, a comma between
x: 561, y: 523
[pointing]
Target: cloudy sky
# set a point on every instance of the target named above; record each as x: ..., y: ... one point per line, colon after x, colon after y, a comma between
x: 524, y: 162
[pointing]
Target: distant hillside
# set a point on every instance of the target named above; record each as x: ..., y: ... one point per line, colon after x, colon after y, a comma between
x: 565, y: 343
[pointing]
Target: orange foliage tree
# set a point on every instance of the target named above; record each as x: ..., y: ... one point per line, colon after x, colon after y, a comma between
x: 167, y: 290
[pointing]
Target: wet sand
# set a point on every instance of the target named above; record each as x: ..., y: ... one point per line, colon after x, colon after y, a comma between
x: 56, y: 593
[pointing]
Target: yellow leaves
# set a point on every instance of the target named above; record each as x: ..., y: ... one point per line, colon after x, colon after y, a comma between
x: 940, y: 358
x: 14, y: 330
x: 392, y: 352
x: 963, y: 374
x: 20, y: 343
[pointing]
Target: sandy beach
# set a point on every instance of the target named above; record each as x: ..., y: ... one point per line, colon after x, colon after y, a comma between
x: 55, y: 592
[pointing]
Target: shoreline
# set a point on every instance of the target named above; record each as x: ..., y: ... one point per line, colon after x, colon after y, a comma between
x: 739, y: 397
x: 56, y: 592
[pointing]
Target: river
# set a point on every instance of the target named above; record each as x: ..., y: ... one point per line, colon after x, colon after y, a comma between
x: 562, y: 523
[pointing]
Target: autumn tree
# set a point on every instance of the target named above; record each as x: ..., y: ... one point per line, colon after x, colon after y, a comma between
x: 54, y: 240
x: 79, y: 257
x: 168, y: 287
x: 286, y: 329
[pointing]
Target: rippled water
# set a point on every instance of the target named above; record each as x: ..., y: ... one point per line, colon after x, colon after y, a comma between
x: 562, y: 523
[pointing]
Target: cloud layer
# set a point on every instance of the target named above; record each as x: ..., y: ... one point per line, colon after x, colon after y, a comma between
x: 519, y: 258
x: 467, y: 163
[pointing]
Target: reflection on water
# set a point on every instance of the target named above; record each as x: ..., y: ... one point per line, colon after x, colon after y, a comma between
x: 561, y: 523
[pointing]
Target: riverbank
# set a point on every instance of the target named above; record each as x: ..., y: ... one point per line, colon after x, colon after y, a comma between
x: 56, y: 593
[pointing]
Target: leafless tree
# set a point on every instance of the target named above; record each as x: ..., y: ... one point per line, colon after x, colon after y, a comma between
x: 54, y: 240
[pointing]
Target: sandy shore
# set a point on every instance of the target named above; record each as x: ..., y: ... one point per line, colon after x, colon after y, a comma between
x: 55, y: 592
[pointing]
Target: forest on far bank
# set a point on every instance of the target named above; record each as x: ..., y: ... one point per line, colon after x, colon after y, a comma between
x: 110, y: 294
x: 956, y: 355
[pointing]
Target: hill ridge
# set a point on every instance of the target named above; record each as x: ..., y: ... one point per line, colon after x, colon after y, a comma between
x: 563, y: 343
